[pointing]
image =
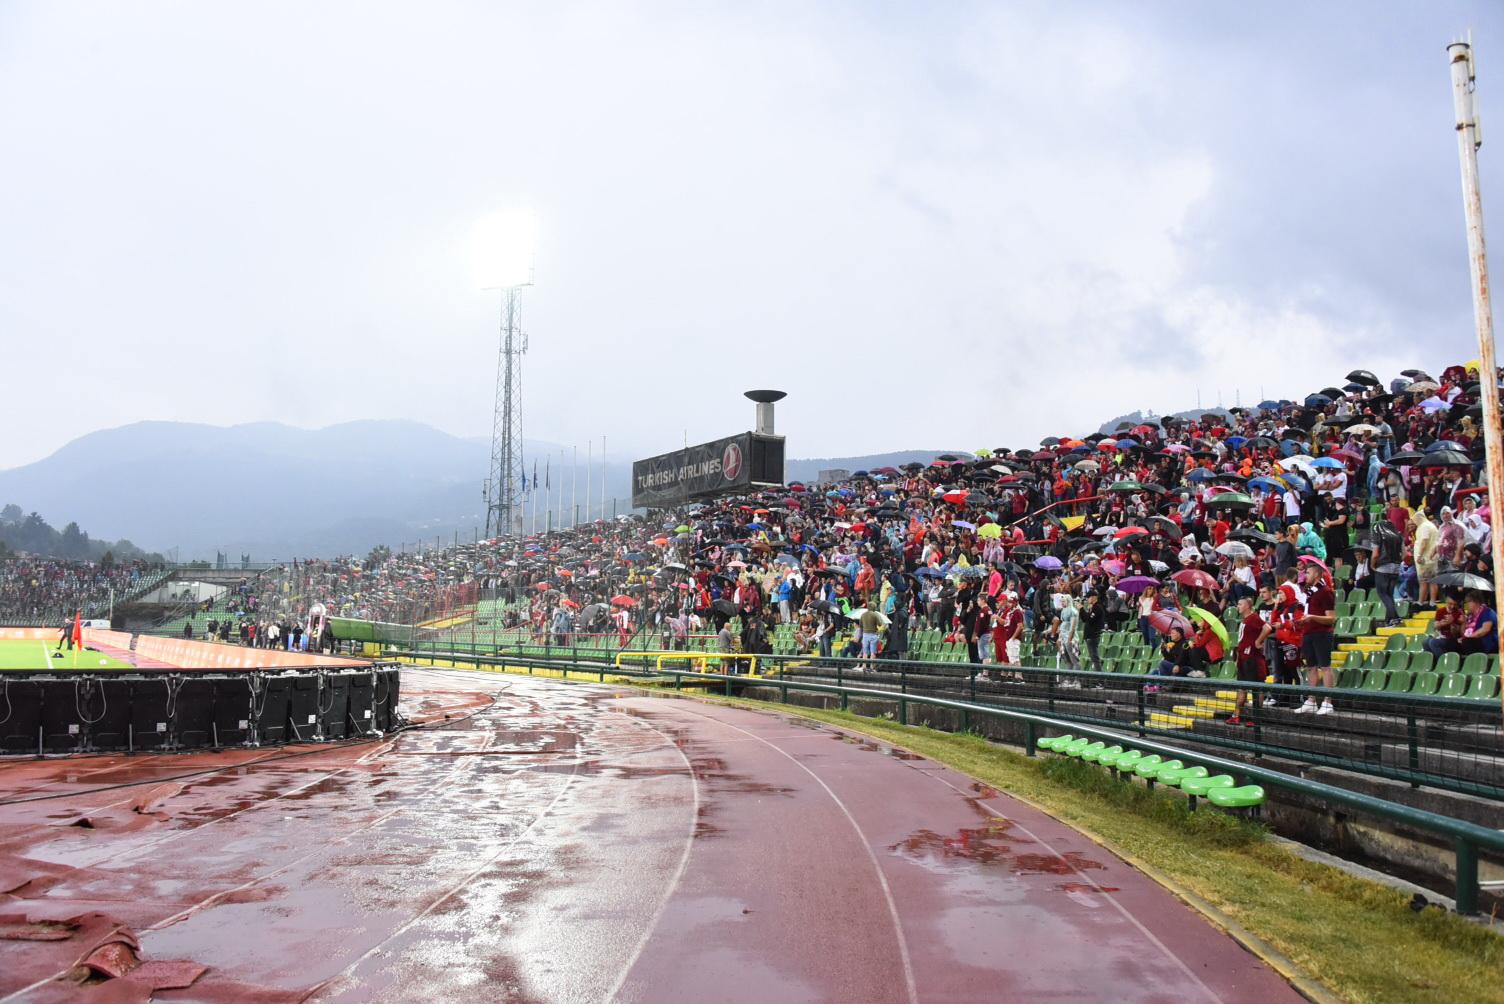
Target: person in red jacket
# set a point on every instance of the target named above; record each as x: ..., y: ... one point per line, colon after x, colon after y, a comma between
x: 1253, y: 632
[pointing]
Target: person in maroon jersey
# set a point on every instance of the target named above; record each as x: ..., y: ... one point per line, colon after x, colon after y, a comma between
x: 1317, y: 637
x: 1252, y: 667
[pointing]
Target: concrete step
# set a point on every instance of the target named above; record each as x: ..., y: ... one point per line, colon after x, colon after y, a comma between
x: 1191, y: 711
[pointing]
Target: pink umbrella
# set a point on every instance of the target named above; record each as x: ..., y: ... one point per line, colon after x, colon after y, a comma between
x: 1315, y: 561
x: 1112, y: 566
x: 1163, y: 620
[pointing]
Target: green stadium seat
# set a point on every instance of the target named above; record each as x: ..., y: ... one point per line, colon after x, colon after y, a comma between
x: 1344, y: 626
x: 1110, y: 757
x: 1395, y: 661
x: 1477, y: 663
x: 1484, y: 688
x: 1415, y: 643
x: 1422, y: 662
x: 1055, y: 742
x: 1128, y: 760
x: 1374, y: 680
x: 1148, y: 765
x: 1095, y: 756
x: 1172, y: 778
x: 1154, y: 772
x: 1455, y: 685
x: 1074, y: 747
x: 1349, y: 677
x: 1246, y: 797
x: 1399, y: 682
x: 1199, y: 786
x: 1426, y: 684
x: 1450, y: 662
x: 1085, y: 751
x: 1362, y: 626
x: 1395, y: 643
x: 1401, y: 607
x: 1225, y: 670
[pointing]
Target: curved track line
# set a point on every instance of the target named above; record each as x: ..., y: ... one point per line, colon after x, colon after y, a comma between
x: 1083, y: 876
x: 903, y: 945
x: 673, y: 885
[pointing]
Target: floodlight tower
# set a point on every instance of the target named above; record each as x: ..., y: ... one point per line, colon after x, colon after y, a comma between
x: 504, y: 486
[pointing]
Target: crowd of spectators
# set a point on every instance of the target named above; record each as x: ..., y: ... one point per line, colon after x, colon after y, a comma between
x: 1274, y: 510
x: 37, y: 590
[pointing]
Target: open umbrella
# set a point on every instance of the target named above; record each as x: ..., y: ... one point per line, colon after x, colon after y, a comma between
x: 1363, y: 377
x: 1114, y: 566
x: 1229, y: 500
x: 1212, y: 621
x: 1130, y: 531
x: 1235, y: 549
x: 989, y: 531
x: 1446, y: 458
x: 1406, y: 458
x: 1464, y: 580
x: 1311, y: 559
x: 623, y: 600
x: 1327, y: 462
x: 1437, y: 445
x: 1137, y: 583
x: 1363, y: 429
x: 1125, y: 486
x: 1248, y: 533
x: 1435, y: 404
x: 1164, y: 620
x: 1426, y: 386
x: 1194, y: 578
x: 1048, y: 562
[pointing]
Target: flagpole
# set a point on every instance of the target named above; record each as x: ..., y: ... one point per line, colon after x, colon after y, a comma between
x: 589, y: 457
x: 574, y: 486
x: 560, y: 524
x: 1468, y: 140
x: 603, y: 477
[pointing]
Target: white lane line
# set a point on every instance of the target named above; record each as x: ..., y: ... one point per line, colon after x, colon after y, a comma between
x: 903, y: 945
x: 673, y: 884
x: 406, y: 925
x: 1089, y: 880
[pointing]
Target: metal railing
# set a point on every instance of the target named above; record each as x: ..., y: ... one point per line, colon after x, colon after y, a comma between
x: 1467, y: 838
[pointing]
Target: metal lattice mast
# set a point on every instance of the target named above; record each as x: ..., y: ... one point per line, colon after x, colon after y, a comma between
x: 504, y: 486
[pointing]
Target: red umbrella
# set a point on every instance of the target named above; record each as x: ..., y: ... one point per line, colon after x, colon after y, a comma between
x: 544, y: 587
x: 1129, y: 531
x: 1194, y: 578
x: 623, y: 600
x: 956, y: 496
x: 571, y: 604
x: 1163, y: 620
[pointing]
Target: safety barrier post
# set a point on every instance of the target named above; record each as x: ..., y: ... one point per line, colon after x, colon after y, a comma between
x: 1412, y: 738
x: 1467, y: 877
x: 1029, y: 734
x: 903, y: 711
x: 1141, y: 719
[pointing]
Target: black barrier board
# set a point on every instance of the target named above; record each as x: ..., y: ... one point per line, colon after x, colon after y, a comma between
x: 271, y: 710
x: 151, y: 713
x: 232, y: 709
x: 193, y: 712
x: 722, y: 465
x: 21, y: 700
x: 334, y: 705
x: 360, y: 703
x: 108, y: 709
x: 303, y: 708
x: 384, y: 699
x: 62, y: 725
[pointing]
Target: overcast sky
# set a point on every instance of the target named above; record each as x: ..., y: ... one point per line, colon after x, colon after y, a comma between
x: 935, y: 225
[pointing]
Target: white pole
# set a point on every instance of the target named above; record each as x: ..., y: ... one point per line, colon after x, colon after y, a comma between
x: 603, y: 477
x: 1468, y: 141
x: 561, y: 490
x: 589, y: 457
x: 574, y: 485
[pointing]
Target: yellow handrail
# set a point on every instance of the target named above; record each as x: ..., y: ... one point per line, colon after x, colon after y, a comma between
x: 702, y: 659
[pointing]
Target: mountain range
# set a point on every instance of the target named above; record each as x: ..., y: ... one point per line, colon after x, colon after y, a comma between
x: 273, y: 491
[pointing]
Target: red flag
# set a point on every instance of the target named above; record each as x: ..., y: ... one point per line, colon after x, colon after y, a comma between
x: 78, y: 629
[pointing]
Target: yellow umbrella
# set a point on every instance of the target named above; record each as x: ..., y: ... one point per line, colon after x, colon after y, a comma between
x: 989, y: 531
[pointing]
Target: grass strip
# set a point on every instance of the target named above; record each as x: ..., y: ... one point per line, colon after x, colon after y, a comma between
x: 1357, y: 938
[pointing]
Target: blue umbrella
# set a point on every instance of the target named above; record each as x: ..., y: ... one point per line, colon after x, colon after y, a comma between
x: 1200, y: 474
x: 1125, y: 443
x: 1268, y: 405
x: 1446, y: 444
x: 1267, y: 484
x: 634, y: 556
x: 1317, y: 400
x: 1327, y: 462
x: 929, y: 573
x: 964, y: 525
x: 1435, y: 404
x: 787, y: 559
x: 755, y: 526
x: 1237, y: 442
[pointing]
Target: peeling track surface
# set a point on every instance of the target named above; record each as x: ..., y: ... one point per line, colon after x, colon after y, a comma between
x: 552, y: 842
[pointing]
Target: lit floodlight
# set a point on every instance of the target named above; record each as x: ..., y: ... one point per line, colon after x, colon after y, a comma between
x: 503, y: 247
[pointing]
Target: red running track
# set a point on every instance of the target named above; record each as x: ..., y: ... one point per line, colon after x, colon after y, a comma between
x: 577, y: 843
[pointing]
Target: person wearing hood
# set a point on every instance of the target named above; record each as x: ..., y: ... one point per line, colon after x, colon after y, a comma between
x: 1426, y: 545
x: 1310, y: 542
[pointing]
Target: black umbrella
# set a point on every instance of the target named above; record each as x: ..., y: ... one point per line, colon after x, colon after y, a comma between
x: 1261, y: 442
x: 1445, y: 444
x: 1363, y: 377
x: 1049, y: 441
x: 1446, y: 458
x: 1416, y: 374
x: 947, y: 456
x: 1163, y: 525
x: 1331, y: 392
x: 1405, y: 459
x: 724, y: 607
x: 1247, y: 533
x: 1464, y: 580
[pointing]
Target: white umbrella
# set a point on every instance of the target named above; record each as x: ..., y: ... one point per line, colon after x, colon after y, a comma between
x: 1299, y: 460
x: 1235, y: 549
x: 1363, y: 429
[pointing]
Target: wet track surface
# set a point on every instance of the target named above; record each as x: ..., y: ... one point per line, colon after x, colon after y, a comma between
x: 577, y: 843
